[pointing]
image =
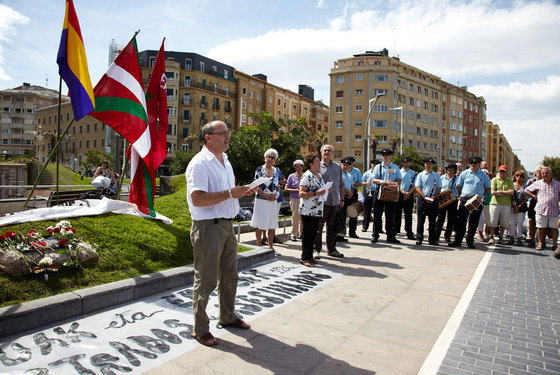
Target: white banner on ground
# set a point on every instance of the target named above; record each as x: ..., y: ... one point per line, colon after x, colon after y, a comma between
x: 86, y: 207
x: 141, y: 335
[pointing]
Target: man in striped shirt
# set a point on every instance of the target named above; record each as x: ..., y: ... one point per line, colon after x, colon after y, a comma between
x: 547, y: 194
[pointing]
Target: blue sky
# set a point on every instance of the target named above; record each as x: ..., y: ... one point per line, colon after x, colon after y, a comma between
x: 506, y: 51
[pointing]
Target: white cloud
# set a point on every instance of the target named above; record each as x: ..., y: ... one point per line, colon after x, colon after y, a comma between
x: 464, y: 42
x: 528, y: 115
x: 9, y: 18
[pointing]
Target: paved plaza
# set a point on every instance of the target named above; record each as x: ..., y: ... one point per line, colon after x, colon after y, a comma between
x: 397, y: 309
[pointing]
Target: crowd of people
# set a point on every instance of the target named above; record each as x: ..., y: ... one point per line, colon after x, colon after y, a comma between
x: 324, y: 192
x: 458, y: 203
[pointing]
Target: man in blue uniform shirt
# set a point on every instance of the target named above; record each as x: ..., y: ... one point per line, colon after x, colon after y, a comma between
x: 356, y: 183
x: 370, y: 194
x: 428, y: 186
x: 448, y: 181
x: 386, y: 174
x: 406, y: 199
x: 471, y: 182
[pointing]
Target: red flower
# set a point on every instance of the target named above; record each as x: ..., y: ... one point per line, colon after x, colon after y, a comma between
x: 50, y: 230
x: 10, y: 235
x: 71, y: 230
x: 56, y: 229
x: 31, y: 233
x: 62, y: 242
x: 2, y: 238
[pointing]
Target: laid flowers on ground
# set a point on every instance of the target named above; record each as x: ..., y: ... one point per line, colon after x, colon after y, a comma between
x: 37, y: 253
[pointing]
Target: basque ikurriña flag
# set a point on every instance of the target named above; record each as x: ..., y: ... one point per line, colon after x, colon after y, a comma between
x: 156, y: 101
x: 121, y: 104
x: 72, y: 64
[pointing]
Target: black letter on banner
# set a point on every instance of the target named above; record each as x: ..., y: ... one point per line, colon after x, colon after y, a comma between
x: 177, y: 301
x: 24, y: 355
x: 153, y: 345
x: 127, y: 352
x: 73, y: 361
x: 256, y: 274
x: 174, y: 323
x: 317, y: 276
x: 72, y: 334
x: 297, y: 287
x: 45, y: 343
x: 255, y: 301
x: 103, y: 361
x: 275, y: 300
x: 37, y: 371
x: 276, y: 291
x: 166, y: 335
x: 302, y: 280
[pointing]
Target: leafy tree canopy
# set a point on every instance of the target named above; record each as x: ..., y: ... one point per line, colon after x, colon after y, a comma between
x: 248, y: 144
x: 95, y: 158
x: 554, y: 164
x: 417, y: 160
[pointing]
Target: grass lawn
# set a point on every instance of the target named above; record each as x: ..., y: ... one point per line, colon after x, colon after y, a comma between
x: 128, y: 246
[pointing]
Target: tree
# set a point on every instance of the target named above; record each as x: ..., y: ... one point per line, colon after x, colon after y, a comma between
x: 248, y: 144
x: 95, y: 158
x: 554, y: 164
x: 318, y: 140
x: 417, y: 160
x: 180, y: 161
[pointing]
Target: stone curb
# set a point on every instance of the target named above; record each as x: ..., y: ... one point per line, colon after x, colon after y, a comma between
x: 30, y: 315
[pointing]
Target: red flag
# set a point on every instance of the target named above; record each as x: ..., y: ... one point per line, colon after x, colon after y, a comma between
x: 121, y: 104
x: 156, y: 101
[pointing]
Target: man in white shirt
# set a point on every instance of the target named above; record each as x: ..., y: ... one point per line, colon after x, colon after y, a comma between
x: 213, y: 201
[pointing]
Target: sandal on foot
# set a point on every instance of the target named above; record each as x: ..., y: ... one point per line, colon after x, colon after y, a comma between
x: 307, y: 263
x: 314, y: 260
x: 539, y: 247
x: 237, y: 324
x: 206, y: 339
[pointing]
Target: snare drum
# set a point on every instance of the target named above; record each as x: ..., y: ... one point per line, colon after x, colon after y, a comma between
x: 388, y: 193
x: 473, y: 203
x: 445, y: 198
x: 355, y: 209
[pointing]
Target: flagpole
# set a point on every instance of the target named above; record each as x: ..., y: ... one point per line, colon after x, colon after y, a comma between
x: 58, y: 136
x: 46, y: 163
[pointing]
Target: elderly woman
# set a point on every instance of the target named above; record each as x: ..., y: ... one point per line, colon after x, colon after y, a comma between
x: 292, y: 186
x: 518, y: 208
x: 311, y: 188
x: 265, y: 216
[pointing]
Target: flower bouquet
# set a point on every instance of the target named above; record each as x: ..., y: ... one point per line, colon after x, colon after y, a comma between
x: 43, y: 254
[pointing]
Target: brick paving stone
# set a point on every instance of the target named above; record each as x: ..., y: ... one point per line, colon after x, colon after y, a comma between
x: 511, y: 324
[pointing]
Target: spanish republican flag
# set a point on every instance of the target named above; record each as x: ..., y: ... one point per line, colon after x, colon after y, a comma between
x: 72, y: 64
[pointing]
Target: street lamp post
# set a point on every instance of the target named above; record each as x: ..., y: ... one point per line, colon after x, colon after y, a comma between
x: 401, y: 109
x: 371, y: 103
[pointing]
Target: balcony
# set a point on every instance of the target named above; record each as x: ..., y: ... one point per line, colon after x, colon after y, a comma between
x: 216, y: 106
x: 228, y: 109
x: 203, y: 105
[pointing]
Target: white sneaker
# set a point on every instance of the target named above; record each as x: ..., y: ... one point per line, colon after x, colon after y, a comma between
x: 292, y: 237
x: 491, y: 241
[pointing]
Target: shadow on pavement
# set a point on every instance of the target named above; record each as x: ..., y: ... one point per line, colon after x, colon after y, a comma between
x: 281, y: 358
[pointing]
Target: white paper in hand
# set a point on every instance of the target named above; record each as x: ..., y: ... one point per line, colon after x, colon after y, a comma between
x: 260, y: 181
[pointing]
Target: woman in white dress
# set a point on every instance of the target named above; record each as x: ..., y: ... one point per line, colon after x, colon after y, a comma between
x: 265, y: 216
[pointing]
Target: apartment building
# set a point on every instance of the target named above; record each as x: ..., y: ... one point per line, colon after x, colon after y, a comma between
x: 410, y: 97
x: 256, y: 94
x: 18, y: 107
x: 438, y: 119
x: 87, y: 134
x: 499, y: 151
x: 199, y: 90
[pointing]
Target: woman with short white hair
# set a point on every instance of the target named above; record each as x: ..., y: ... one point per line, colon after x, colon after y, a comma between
x: 265, y: 216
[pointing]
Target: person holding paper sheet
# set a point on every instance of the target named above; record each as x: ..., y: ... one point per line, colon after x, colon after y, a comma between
x: 265, y: 214
x: 213, y: 201
x: 330, y: 172
x: 311, y: 205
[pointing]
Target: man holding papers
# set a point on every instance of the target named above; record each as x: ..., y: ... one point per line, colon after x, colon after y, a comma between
x: 330, y: 172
